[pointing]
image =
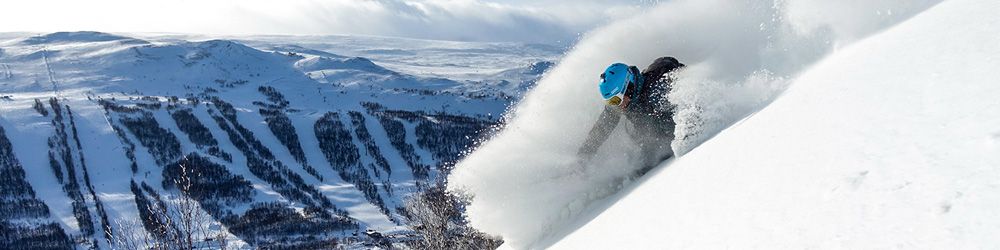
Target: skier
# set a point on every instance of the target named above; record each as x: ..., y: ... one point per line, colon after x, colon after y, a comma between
x: 641, y: 98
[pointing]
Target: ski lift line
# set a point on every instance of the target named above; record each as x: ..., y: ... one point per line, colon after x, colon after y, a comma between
x: 48, y: 70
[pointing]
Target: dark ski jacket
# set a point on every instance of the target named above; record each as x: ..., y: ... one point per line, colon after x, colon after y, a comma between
x: 648, y: 110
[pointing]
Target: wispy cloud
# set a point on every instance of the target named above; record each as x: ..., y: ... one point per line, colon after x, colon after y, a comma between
x: 471, y: 20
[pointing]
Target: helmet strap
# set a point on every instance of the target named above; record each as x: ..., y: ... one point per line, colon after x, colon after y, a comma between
x: 630, y: 89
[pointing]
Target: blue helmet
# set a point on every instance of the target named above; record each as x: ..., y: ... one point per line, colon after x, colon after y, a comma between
x: 615, y: 79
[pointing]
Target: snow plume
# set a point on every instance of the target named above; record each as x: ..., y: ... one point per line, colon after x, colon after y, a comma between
x: 526, y: 183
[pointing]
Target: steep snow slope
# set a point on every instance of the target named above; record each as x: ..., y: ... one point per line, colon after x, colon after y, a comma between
x: 893, y: 142
x: 527, y: 184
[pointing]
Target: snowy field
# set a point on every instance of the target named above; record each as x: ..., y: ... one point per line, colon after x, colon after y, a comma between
x: 431, y: 58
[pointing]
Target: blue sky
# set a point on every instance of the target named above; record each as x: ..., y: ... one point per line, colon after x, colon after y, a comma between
x: 539, y: 21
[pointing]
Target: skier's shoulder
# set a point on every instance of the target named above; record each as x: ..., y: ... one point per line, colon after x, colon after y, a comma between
x: 663, y: 64
x: 660, y: 67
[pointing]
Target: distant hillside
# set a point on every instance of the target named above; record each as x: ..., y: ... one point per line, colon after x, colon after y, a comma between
x: 277, y: 148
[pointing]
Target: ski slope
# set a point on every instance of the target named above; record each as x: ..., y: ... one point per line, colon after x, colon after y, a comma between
x: 351, y: 135
x: 526, y: 184
x: 889, y: 143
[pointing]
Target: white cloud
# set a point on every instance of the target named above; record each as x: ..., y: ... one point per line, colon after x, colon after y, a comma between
x: 476, y: 20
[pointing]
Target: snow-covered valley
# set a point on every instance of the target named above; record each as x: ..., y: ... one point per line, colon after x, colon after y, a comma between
x: 282, y: 146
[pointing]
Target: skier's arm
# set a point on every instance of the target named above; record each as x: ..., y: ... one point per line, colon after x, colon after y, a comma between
x: 602, y: 129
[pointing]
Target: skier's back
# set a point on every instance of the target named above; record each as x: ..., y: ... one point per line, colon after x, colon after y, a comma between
x: 641, y: 98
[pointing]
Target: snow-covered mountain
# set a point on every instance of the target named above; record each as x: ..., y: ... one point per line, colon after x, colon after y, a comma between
x: 283, y: 145
x: 852, y: 124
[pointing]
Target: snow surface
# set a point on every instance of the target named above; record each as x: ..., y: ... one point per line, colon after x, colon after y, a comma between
x: 526, y: 183
x: 889, y: 143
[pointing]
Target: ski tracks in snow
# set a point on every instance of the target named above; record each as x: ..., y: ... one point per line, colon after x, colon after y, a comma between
x: 7, y: 73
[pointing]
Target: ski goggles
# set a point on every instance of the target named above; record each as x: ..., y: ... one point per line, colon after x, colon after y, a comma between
x: 616, y: 99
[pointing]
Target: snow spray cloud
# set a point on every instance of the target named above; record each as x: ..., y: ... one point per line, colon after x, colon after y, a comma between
x: 526, y: 183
